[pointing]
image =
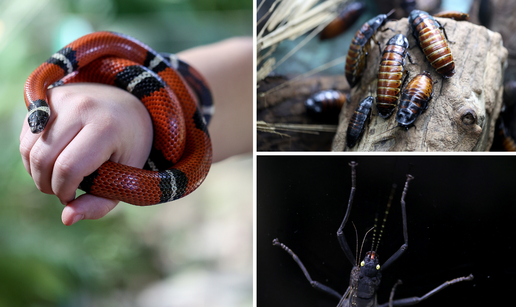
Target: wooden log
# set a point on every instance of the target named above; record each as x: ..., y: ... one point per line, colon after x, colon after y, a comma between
x: 462, y: 114
x: 280, y: 100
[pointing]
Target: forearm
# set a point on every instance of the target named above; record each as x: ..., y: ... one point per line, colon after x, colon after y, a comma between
x: 228, y: 69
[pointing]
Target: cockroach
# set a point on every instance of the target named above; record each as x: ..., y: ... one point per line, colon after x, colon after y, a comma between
x: 508, y: 143
x: 414, y: 99
x: 455, y: 15
x: 359, y: 48
x: 328, y: 101
x: 365, y: 276
x: 346, y: 18
x: 358, y: 121
x: 390, y: 74
x: 427, y: 32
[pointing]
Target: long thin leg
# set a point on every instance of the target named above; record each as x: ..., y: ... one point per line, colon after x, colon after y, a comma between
x: 317, y: 285
x: 344, y: 300
x: 402, y: 249
x: 407, y: 73
x: 444, y: 31
x: 408, y: 35
x: 391, y: 297
x: 414, y: 300
x: 410, y: 59
x: 340, y: 233
x: 376, y: 42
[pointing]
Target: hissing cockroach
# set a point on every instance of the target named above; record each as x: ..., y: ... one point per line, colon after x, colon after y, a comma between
x: 358, y: 121
x: 359, y: 48
x: 508, y: 142
x: 328, y: 101
x: 414, y: 99
x: 455, y: 15
x: 344, y: 20
x: 390, y: 74
x: 427, y: 32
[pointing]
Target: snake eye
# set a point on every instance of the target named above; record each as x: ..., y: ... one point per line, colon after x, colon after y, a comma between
x: 362, y: 263
x: 377, y: 267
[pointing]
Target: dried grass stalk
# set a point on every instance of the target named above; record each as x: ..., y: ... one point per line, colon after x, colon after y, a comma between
x: 289, y: 20
x: 310, y: 129
x: 294, y: 18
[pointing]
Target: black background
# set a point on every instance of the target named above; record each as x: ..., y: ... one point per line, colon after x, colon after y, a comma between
x: 461, y: 212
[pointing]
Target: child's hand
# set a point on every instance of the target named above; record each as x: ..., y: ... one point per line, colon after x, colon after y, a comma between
x: 90, y: 124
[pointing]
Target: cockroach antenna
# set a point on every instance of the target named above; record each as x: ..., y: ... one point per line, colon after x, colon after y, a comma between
x: 390, y: 13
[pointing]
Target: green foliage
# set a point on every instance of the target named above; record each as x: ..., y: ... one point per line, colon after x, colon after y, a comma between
x: 138, y: 6
x: 31, y: 280
x: 222, y: 5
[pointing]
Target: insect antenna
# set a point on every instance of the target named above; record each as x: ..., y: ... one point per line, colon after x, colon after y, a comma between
x: 385, y: 216
x: 374, y: 232
x: 363, y: 241
x: 442, y: 84
x: 389, y: 129
x: 388, y: 15
x: 390, y: 12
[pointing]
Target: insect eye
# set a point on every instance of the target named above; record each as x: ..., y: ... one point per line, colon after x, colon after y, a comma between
x: 362, y: 263
x: 377, y: 267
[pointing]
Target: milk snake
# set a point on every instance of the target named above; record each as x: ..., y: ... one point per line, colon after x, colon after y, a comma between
x: 181, y: 154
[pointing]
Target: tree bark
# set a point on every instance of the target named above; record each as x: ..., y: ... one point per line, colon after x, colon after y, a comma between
x: 462, y: 114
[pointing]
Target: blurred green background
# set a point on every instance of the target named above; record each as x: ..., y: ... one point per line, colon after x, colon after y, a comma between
x: 193, y: 252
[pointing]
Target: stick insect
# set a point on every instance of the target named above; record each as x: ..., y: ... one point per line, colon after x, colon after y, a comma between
x: 365, y: 276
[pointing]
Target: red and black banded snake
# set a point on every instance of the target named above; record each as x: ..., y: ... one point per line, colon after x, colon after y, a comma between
x: 181, y: 155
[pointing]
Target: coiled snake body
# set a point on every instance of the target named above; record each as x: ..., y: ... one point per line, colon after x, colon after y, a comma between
x: 181, y: 155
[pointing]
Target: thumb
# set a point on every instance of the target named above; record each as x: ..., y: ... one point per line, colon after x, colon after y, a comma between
x: 88, y: 207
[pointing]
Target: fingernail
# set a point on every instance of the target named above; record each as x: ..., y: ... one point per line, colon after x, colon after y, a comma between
x: 77, y: 218
x: 66, y: 202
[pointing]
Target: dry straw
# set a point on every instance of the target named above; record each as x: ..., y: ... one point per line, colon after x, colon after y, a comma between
x: 290, y: 19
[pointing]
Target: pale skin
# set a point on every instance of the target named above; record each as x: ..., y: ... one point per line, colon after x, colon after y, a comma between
x: 89, y: 125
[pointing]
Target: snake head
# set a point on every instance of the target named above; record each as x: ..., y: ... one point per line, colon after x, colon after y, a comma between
x: 38, y: 121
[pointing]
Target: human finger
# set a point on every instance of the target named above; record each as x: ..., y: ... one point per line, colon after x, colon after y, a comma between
x: 87, y: 206
x: 46, y: 148
x: 27, y: 140
x: 81, y: 157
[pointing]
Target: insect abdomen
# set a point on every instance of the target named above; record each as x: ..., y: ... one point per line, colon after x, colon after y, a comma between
x: 355, y: 61
x: 358, y: 120
x: 390, y: 75
x: 414, y: 99
x: 455, y: 15
x: 326, y: 101
x: 427, y: 32
x: 344, y: 20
